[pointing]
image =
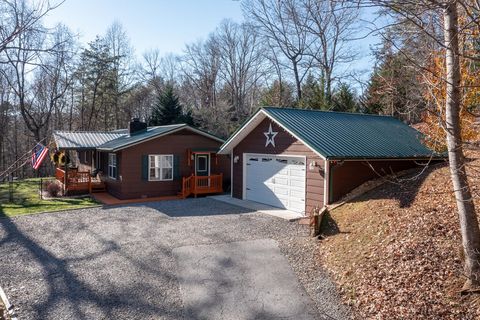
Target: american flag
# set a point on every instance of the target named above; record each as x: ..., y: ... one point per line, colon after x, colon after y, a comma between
x: 38, y: 154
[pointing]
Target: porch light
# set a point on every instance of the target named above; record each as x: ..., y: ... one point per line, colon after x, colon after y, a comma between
x: 235, y: 159
x: 312, y: 165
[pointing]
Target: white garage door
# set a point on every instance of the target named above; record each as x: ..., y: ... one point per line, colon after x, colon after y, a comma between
x: 278, y: 181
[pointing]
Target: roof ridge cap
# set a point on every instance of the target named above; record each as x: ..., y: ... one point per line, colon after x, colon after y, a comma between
x: 331, y: 111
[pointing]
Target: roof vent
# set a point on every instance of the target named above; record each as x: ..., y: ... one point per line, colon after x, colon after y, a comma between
x: 136, y: 126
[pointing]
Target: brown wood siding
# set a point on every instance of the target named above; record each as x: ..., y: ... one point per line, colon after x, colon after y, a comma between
x: 348, y: 175
x: 130, y: 165
x: 285, y: 144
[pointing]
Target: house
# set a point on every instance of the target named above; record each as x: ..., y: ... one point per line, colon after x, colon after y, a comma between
x: 302, y: 159
x: 144, y: 162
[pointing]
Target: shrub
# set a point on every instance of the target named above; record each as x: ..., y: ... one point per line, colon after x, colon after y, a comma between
x: 45, y: 184
x: 53, y: 188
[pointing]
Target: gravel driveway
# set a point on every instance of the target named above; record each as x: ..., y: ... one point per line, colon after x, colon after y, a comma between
x: 117, y: 262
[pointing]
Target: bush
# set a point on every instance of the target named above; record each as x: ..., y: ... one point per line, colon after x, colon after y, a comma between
x: 53, y: 188
x: 45, y: 184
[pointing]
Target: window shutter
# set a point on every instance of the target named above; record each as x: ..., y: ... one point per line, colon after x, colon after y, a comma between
x: 117, y: 167
x: 145, y: 167
x: 176, y: 167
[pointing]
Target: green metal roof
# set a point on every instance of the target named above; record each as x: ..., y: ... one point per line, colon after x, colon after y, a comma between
x: 127, y: 140
x: 83, y: 139
x: 117, y: 139
x: 339, y: 135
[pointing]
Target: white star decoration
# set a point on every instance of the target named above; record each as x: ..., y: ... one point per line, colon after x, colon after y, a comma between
x: 270, y: 134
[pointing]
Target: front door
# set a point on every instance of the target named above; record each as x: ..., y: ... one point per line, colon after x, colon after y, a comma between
x: 202, y: 164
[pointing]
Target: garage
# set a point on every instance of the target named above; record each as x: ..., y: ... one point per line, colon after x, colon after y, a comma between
x: 278, y: 181
x: 302, y: 160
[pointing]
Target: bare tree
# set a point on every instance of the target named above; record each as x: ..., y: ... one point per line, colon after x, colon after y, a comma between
x: 466, y: 208
x: 241, y: 57
x: 6, y: 109
x: 57, y: 72
x: 281, y: 23
x: 200, y: 68
x: 23, y: 57
x: 414, y: 12
x: 121, y: 51
x: 19, y: 16
x: 169, y: 68
x: 331, y: 25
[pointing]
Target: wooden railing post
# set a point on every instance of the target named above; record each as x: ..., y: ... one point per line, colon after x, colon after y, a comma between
x: 194, y: 189
x: 183, y: 187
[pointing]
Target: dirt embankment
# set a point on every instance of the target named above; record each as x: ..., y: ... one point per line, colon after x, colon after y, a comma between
x: 395, y: 252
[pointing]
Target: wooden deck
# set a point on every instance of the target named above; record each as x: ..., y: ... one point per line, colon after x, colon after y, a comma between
x: 201, y: 185
x: 80, y: 181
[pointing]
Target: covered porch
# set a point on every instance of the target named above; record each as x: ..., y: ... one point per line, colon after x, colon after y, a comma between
x: 202, y: 181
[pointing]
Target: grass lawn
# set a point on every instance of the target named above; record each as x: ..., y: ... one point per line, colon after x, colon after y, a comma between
x: 26, y: 200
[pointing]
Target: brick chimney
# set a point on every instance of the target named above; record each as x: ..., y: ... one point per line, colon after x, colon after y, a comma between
x: 136, y: 126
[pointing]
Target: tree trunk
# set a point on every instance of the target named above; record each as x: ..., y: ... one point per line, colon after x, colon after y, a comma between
x: 297, y: 80
x: 466, y: 208
x: 328, y: 87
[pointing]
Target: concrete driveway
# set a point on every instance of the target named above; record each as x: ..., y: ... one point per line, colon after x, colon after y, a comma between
x: 186, y: 259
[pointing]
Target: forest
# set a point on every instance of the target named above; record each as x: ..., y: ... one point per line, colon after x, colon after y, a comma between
x: 285, y: 53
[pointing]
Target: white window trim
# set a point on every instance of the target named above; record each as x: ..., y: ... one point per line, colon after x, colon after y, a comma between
x: 149, y: 167
x: 207, y: 157
x: 209, y: 161
x: 112, y: 166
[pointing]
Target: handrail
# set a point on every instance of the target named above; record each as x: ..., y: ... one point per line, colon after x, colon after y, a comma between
x: 201, y: 185
x: 187, y: 186
x: 76, y: 180
x: 59, y: 174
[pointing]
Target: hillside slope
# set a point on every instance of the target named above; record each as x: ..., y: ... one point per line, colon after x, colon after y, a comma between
x: 395, y: 252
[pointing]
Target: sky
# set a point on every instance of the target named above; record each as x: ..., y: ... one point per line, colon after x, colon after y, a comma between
x: 164, y: 24
x: 167, y: 25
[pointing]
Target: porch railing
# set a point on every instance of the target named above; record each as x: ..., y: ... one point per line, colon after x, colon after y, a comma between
x: 202, y: 185
x: 76, y: 180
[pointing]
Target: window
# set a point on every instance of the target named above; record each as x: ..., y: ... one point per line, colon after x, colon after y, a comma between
x: 202, y: 163
x: 160, y: 167
x: 112, y: 165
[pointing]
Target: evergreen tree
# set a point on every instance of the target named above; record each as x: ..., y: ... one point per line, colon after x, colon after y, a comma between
x: 313, y: 94
x: 168, y: 110
x: 278, y: 94
x: 371, y: 101
x: 344, y: 99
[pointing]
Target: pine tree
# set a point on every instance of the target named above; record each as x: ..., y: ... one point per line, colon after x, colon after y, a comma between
x: 168, y: 110
x: 344, y: 99
x: 313, y: 94
x: 278, y: 94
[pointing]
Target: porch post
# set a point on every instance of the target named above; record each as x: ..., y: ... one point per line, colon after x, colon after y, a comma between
x: 65, y: 179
